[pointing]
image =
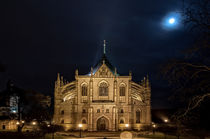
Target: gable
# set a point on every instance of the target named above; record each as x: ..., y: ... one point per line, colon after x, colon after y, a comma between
x: 103, y: 71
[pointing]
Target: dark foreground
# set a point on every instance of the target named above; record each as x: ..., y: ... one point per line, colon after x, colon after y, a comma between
x: 89, y: 135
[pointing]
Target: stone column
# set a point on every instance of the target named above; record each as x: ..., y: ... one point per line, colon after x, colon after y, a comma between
x: 115, y: 90
x: 91, y: 90
x: 76, y: 84
x: 116, y: 117
x: 148, y: 114
x: 90, y: 119
x: 129, y: 92
x: 113, y: 119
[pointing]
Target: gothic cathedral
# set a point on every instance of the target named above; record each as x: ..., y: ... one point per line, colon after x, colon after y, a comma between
x: 102, y: 100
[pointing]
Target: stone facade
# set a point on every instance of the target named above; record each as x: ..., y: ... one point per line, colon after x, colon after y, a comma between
x: 102, y: 100
x: 8, y: 124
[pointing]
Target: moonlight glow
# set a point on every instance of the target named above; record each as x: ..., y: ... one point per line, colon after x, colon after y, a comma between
x: 171, y: 21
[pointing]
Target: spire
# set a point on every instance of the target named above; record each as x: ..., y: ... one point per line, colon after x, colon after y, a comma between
x: 91, y: 73
x: 58, y: 80
x: 147, y: 81
x: 76, y: 72
x: 115, y: 71
x: 130, y: 73
x: 62, y: 83
x: 104, y: 47
x: 143, y: 82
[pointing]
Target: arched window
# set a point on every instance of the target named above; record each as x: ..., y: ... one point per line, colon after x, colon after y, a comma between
x: 84, y: 121
x: 103, y: 89
x: 122, y: 91
x: 121, y: 121
x: 138, y: 116
x: 83, y: 110
x: 84, y: 90
x: 121, y: 111
x: 62, y: 121
x: 62, y: 112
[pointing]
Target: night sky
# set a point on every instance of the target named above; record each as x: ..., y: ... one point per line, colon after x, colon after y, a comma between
x: 39, y: 38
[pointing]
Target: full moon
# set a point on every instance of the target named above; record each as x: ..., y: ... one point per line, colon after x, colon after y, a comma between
x: 171, y: 20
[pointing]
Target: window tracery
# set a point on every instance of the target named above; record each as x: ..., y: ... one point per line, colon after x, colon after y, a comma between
x: 103, y: 89
x: 138, y: 116
x: 122, y: 91
x: 84, y: 90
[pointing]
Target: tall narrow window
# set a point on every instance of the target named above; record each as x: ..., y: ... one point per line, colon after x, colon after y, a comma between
x: 62, y: 112
x: 62, y: 121
x: 121, y: 121
x: 83, y: 111
x: 138, y: 116
x: 84, y: 121
x: 84, y: 90
x: 122, y: 91
x: 121, y: 111
x: 103, y: 89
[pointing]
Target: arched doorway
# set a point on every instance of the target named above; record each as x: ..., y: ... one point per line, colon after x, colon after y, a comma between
x: 102, y: 124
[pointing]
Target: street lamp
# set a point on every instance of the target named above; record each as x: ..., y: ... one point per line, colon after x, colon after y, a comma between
x: 154, y: 126
x: 166, y: 120
x: 33, y: 123
x: 80, y: 131
x: 18, y: 123
x: 126, y: 125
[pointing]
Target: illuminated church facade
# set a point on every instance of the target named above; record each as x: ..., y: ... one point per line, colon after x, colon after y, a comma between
x: 102, y: 100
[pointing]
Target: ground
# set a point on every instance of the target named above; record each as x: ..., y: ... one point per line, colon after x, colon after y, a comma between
x: 89, y: 135
x: 111, y: 135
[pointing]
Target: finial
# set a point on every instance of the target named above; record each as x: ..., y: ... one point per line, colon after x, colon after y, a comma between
x: 147, y: 81
x: 115, y: 71
x: 130, y: 73
x: 104, y: 46
x: 58, y: 82
x: 76, y: 72
x: 58, y: 77
x: 62, y: 83
x: 103, y: 61
x: 91, y: 71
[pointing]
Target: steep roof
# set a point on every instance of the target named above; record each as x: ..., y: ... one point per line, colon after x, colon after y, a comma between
x: 106, y: 61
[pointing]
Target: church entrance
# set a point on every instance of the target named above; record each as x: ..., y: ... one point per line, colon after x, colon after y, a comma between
x: 102, y: 124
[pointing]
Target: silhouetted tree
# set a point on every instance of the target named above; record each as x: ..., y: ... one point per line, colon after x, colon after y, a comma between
x: 28, y: 105
x: 190, y: 77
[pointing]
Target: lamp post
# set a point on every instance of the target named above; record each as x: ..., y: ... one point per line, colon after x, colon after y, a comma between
x: 80, y: 130
x: 166, y: 121
x: 153, y: 127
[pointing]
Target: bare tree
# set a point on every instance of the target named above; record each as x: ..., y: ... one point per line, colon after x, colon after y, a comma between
x: 190, y: 77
